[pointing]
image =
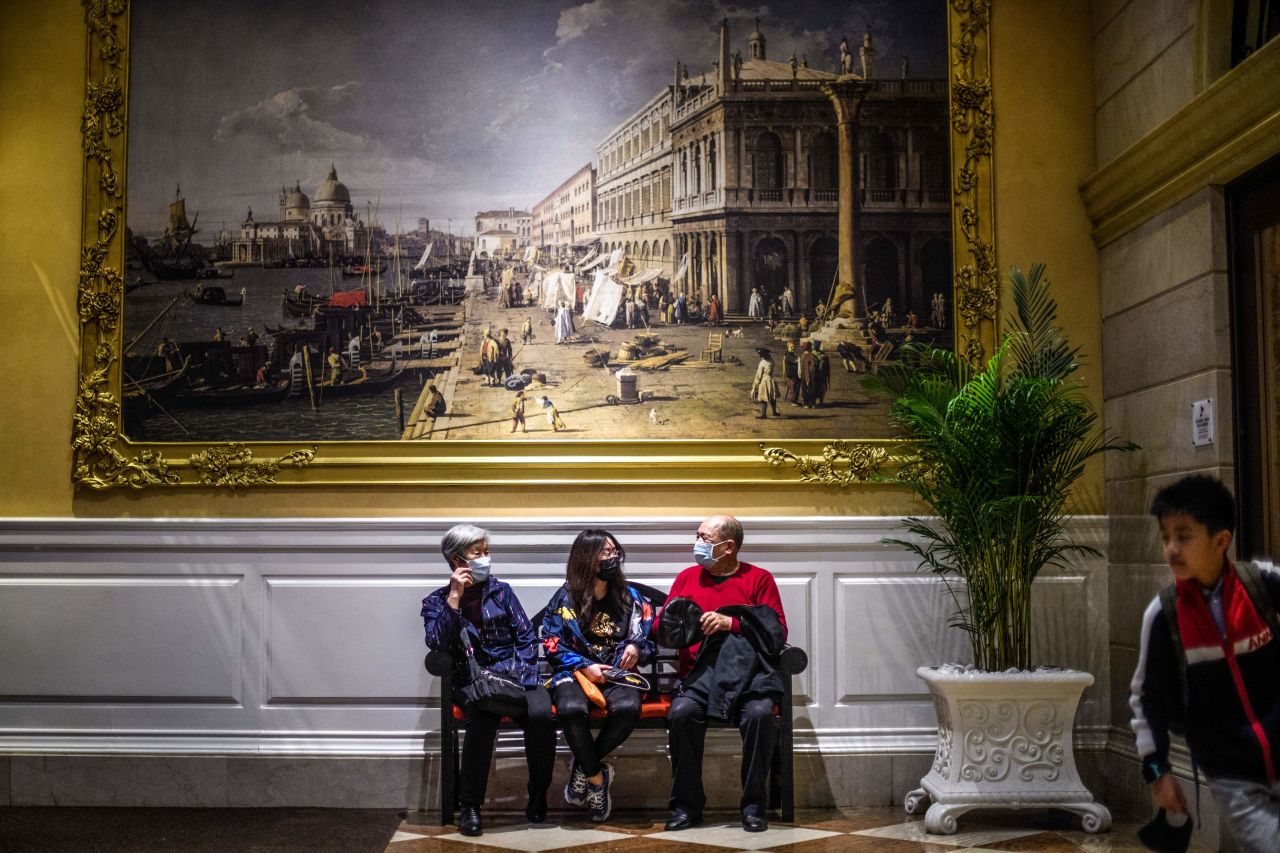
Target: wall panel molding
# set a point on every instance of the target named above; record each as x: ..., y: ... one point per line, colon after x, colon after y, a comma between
x: 302, y: 637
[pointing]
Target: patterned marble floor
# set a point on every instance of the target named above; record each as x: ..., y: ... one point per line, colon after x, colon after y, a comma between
x: 824, y: 831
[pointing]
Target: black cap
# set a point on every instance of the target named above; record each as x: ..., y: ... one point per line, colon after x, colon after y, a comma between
x: 681, y: 624
x: 1163, y: 837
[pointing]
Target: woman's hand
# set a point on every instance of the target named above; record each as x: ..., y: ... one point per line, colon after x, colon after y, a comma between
x: 630, y: 656
x: 458, y: 583
x: 595, y: 672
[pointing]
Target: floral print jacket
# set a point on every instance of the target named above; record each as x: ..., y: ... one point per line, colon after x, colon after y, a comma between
x: 565, y: 639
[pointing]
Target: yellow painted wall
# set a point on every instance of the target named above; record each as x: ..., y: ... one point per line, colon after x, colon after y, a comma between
x: 1043, y: 85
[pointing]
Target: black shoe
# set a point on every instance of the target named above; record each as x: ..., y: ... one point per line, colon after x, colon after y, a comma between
x: 469, y: 822
x: 536, y: 809
x: 680, y: 820
x: 754, y: 823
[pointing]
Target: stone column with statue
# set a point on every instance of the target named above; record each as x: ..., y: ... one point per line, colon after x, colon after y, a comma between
x: 846, y: 94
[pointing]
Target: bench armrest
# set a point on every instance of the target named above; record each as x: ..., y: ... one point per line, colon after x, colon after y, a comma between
x: 793, y: 660
x: 439, y: 663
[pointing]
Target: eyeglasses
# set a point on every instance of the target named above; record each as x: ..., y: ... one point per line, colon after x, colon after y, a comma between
x: 698, y: 537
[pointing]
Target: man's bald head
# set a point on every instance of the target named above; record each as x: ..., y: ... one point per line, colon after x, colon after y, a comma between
x: 727, y: 527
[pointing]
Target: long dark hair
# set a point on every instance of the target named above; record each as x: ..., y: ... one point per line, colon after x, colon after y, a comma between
x: 580, y: 575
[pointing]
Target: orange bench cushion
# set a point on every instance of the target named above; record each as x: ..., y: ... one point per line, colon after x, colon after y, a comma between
x: 656, y: 709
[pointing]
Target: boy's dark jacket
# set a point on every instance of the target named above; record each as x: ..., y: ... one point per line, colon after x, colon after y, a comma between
x: 566, y: 643
x: 1229, y: 708
x: 731, y: 666
x: 505, y: 643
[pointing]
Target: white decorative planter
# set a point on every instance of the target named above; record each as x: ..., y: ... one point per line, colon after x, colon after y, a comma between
x: 1004, y: 741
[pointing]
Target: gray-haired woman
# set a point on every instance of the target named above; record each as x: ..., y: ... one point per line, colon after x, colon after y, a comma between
x: 504, y: 643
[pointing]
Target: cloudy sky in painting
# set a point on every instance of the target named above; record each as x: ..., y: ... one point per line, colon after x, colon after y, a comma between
x: 435, y: 109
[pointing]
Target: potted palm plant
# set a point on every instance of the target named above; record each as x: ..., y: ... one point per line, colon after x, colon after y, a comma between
x: 997, y: 448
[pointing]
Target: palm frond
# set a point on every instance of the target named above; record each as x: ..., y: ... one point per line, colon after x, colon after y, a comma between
x: 998, y: 449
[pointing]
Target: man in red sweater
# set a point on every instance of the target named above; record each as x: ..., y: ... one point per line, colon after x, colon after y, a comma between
x: 721, y: 580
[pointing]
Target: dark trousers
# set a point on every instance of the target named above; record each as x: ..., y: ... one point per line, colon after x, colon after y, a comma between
x: 687, y: 733
x: 539, y: 747
x: 572, y: 707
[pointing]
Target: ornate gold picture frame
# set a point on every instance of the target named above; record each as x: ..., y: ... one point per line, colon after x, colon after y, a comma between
x: 105, y: 457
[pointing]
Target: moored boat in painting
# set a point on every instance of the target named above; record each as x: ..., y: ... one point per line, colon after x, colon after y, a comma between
x: 170, y: 258
x: 363, y: 383
x: 229, y: 396
x: 212, y: 294
x: 358, y: 270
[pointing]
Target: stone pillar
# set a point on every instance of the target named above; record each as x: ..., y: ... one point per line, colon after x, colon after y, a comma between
x: 731, y: 250
x: 902, y: 277
x: 846, y: 94
x: 704, y: 249
x: 804, y: 289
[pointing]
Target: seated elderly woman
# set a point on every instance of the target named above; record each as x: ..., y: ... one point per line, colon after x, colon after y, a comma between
x: 504, y: 643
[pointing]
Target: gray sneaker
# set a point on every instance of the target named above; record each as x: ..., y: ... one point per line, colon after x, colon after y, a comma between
x: 575, y: 790
x: 598, y: 799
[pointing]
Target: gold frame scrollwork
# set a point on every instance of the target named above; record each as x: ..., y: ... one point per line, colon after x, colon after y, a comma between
x: 104, y: 458
x: 977, y: 276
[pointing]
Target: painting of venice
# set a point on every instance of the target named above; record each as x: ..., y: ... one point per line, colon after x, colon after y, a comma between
x: 619, y: 219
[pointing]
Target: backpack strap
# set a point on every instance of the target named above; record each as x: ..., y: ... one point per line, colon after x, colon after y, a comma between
x: 1169, y: 603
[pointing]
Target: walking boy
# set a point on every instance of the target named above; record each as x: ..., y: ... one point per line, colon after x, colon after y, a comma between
x: 553, y: 415
x: 1209, y: 665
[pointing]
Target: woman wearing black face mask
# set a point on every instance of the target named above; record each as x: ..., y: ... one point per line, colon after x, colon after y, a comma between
x: 595, y: 622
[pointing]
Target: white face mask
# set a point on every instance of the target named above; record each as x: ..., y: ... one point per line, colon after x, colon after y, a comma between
x: 480, y: 568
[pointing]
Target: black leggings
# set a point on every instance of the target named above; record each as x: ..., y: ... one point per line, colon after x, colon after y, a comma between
x: 572, y: 707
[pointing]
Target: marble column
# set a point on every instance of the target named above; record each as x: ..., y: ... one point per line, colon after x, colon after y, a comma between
x: 803, y: 291
x: 846, y: 94
x: 732, y: 252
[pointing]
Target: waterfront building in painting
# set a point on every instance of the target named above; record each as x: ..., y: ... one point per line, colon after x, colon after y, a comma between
x: 566, y: 217
x: 633, y: 189
x: 518, y: 222
x: 738, y: 168
x: 305, y: 228
x: 497, y: 242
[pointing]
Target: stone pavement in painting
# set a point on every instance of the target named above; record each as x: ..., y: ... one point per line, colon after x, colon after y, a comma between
x: 691, y: 400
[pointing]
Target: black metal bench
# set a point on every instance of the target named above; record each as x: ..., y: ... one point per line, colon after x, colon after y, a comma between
x: 663, y: 680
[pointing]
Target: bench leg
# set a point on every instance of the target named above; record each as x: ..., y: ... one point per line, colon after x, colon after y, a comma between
x: 448, y: 760
x: 786, y: 741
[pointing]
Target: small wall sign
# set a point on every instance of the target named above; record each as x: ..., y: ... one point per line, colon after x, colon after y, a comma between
x: 1202, y: 422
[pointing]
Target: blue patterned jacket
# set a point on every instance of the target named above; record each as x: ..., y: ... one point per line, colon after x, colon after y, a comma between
x: 505, y: 643
x: 565, y: 640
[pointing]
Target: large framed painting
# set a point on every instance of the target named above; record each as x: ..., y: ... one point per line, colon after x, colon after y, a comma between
x: 608, y: 241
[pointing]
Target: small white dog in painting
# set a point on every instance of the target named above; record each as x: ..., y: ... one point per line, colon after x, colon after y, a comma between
x: 653, y: 417
x: 735, y: 333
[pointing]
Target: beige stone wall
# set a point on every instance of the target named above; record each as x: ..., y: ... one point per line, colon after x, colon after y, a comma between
x: 1144, y: 67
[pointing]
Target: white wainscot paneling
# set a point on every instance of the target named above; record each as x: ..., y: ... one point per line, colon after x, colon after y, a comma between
x: 346, y: 640
x: 303, y: 636
x: 797, y: 602
x: 1061, y: 633
x: 886, y: 628
x: 87, y: 638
